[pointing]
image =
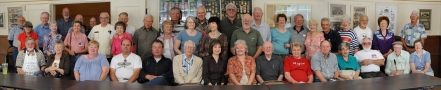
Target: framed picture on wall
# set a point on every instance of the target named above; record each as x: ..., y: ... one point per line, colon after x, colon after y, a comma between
x: 336, y: 25
x: 337, y: 10
x: 1, y: 20
x: 290, y: 10
x: 389, y: 11
x: 14, y: 13
x: 356, y: 12
x: 425, y: 15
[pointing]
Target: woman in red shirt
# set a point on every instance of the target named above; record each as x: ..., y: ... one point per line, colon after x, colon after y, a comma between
x: 28, y: 32
x: 297, y: 68
x: 120, y: 35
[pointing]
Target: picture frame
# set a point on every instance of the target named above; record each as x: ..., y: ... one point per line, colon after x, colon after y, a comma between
x: 356, y: 12
x: 2, y: 20
x: 337, y: 10
x: 290, y: 10
x: 336, y: 25
x: 13, y: 14
x: 390, y: 11
x: 425, y: 16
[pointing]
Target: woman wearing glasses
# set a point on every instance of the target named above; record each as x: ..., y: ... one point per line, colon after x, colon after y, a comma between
x: 92, y: 66
x: 190, y: 33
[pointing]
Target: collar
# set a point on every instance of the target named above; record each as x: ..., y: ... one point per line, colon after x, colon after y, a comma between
x: 235, y: 20
x: 323, y: 55
x: 206, y: 20
x: 42, y: 26
x: 424, y: 52
x: 185, y: 57
x: 254, y: 24
x: 251, y: 30
x: 301, y: 29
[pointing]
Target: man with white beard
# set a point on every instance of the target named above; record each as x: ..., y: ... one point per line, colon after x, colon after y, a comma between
x: 251, y: 36
x: 65, y: 23
x: 369, y: 60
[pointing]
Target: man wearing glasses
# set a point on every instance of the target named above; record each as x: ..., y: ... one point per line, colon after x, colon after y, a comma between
x: 125, y: 67
x: 298, y: 31
x: 412, y: 31
x: 251, y: 36
x: 187, y: 68
x: 262, y: 27
x: 362, y: 30
x: 157, y: 69
x: 101, y: 33
x: 369, y: 60
x: 269, y: 68
x: 229, y: 24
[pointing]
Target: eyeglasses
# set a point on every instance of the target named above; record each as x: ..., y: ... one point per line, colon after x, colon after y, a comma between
x: 230, y: 9
x: 267, y: 47
x: 190, y: 47
x: 367, y: 43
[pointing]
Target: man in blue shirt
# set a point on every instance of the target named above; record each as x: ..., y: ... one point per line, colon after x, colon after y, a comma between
x: 65, y: 23
x: 13, y: 38
x: 42, y: 29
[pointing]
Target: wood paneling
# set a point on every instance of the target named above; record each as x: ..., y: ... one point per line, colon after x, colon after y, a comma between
x: 4, y: 47
x: 88, y: 10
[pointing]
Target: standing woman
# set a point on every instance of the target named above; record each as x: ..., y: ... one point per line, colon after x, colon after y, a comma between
x: 58, y: 63
x: 214, y: 34
x: 76, y: 45
x: 313, y: 39
x: 348, y: 35
x: 280, y: 37
x: 190, y: 33
x: 215, y: 66
x: 383, y: 38
x: 28, y: 32
x: 30, y: 61
x: 241, y: 68
x: 92, y: 66
x: 117, y: 39
x: 50, y: 39
x: 168, y: 38
x: 420, y: 60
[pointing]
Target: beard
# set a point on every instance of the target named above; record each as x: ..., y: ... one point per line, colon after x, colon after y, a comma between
x: 29, y: 49
x: 66, y: 16
x: 367, y: 48
x: 246, y: 27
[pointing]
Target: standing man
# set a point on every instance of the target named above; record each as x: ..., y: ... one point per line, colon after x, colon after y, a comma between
x: 124, y: 17
x: 251, y: 36
x: 79, y: 17
x: 362, y: 30
x: 65, y: 23
x: 203, y: 22
x: 101, y: 33
x: 13, y: 38
x: 176, y: 16
x: 42, y: 29
x: 325, y: 64
x: 92, y: 23
x: 144, y: 37
x: 125, y: 67
x: 298, y: 31
x: 229, y: 24
x: 369, y: 60
x: 412, y: 31
x: 331, y: 35
x: 268, y: 67
x: 262, y: 27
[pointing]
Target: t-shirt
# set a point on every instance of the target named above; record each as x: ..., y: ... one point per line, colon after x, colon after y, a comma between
x: 22, y: 38
x: 90, y: 69
x: 183, y: 37
x: 371, y: 54
x: 299, y: 69
x: 363, y: 33
x: 125, y: 66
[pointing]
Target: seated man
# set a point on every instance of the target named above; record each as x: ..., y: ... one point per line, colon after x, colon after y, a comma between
x: 369, y: 60
x: 125, y: 67
x: 398, y: 61
x: 268, y: 67
x: 324, y: 64
x: 156, y: 69
x: 187, y: 68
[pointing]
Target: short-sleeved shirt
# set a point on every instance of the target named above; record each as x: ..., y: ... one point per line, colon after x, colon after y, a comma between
x: 143, y: 39
x: 352, y: 63
x: 264, y: 30
x: 279, y: 40
x: 41, y: 32
x: 372, y: 55
x: 125, y: 66
x: 76, y: 43
x: 13, y: 35
x: 129, y: 29
x: 335, y: 39
x: 383, y: 43
x: 269, y: 69
x: 102, y: 35
x: 116, y: 43
x: 420, y: 62
x: 90, y: 69
x: 184, y: 37
x: 351, y: 38
x: 363, y: 33
x: 411, y: 33
x: 299, y: 69
x: 22, y: 38
x: 327, y: 66
x: 400, y: 62
x: 63, y: 27
x: 298, y: 36
x: 252, y: 38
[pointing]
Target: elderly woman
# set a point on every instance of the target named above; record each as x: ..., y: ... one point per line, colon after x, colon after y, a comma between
x: 215, y: 66
x: 420, y: 60
x: 30, y: 61
x: 241, y: 68
x: 190, y: 33
x: 168, y: 38
x: 92, y: 66
x: 313, y: 39
x: 76, y: 45
x: 28, y: 32
x: 348, y: 64
x: 297, y: 68
x: 58, y: 63
x: 398, y: 61
x: 187, y: 68
x: 214, y: 34
x: 383, y: 38
x: 50, y: 39
x: 117, y: 39
x: 348, y: 35
x: 279, y: 37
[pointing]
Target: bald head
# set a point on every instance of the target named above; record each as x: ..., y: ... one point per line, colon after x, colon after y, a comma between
x: 257, y: 14
x: 79, y: 17
x: 363, y: 21
x: 268, y: 48
x: 66, y: 13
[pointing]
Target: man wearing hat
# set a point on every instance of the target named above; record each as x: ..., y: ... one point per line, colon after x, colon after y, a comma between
x: 398, y: 62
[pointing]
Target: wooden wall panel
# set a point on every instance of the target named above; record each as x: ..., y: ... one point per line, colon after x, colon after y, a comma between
x: 88, y: 10
x: 4, y: 47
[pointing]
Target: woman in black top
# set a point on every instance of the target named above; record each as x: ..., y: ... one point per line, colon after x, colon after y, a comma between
x: 215, y: 66
x: 58, y: 64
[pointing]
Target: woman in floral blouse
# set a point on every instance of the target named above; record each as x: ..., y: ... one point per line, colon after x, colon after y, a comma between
x: 241, y: 68
x: 49, y: 39
x: 214, y: 34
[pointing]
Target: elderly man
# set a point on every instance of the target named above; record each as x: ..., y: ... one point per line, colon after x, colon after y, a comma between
x: 203, y: 22
x: 262, y: 27
x: 251, y: 36
x: 268, y: 67
x: 369, y: 60
x: 65, y: 23
x: 398, y: 62
x: 156, y: 69
x: 124, y: 17
x: 42, y: 29
x: 176, y: 16
x: 331, y: 35
x: 30, y: 61
x: 362, y: 30
x: 144, y: 37
x: 413, y: 31
x: 125, y: 67
x: 231, y: 23
x: 298, y: 31
x: 101, y: 33
x: 13, y: 37
x: 325, y: 64
x: 187, y: 68
x: 79, y: 17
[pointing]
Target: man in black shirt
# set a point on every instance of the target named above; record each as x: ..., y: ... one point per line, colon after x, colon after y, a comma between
x: 231, y: 23
x: 157, y: 69
x: 331, y: 35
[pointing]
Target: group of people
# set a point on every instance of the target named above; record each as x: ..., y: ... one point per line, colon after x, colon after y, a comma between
x: 216, y: 52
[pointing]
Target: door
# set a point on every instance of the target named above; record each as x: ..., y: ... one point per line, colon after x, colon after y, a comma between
x: 134, y: 8
x: 33, y: 12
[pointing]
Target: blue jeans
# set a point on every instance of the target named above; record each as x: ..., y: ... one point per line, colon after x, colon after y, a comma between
x: 73, y: 60
x: 158, y: 81
x: 14, y: 58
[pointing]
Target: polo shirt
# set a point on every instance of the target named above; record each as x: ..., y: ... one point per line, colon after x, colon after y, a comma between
x: 371, y: 54
x: 352, y: 63
x: 327, y: 66
x: 143, y: 39
x: 269, y: 69
x: 335, y: 39
x: 227, y: 28
x: 41, y: 32
x: 252, y: 38
x: 102, y: 35
x: 299, y: 36
x: 22, y: 38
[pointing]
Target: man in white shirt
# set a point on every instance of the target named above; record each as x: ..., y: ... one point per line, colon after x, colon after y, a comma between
x: 125, y: 67
x: 262, y: 27
x: 101, y: 33
x: 362, y: 30
x: 369, y: 60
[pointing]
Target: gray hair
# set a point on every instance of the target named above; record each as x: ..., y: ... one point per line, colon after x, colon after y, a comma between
x: 370, y: 40
x: 325, y: 19
x: 257, y: 8
x: 231, y: 5
x: 123, y: 13
x: 194, y: 20
x: 45, y: 13
x: 240, y: 41
x: 362, y: 16
x: 189, y: 41
x: 105, y: 13
x: 347, y: 18
x: 416, y: 12
x: 29, y: 39
x: 59, y: 42
x: 295, y: 17
x: 343, y: 45
x: 53, y: 23
x: 203, y: 7
x: 148, y: 15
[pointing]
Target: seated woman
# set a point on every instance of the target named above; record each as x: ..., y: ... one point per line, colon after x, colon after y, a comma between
x: 349, y: 68
x: 30, y: 61
x: 420, y: 60
x: 50, y: 39
x: 215, y: 66
x: 397, y: 62
x: 92, y: 66
x: 297, y: 68
x: 117, y: 39
x: 58, y: 63
x: 241, y: 68
x: 187, y: 67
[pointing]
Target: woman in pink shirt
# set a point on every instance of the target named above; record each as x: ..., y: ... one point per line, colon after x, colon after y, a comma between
x: 120, y: 35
